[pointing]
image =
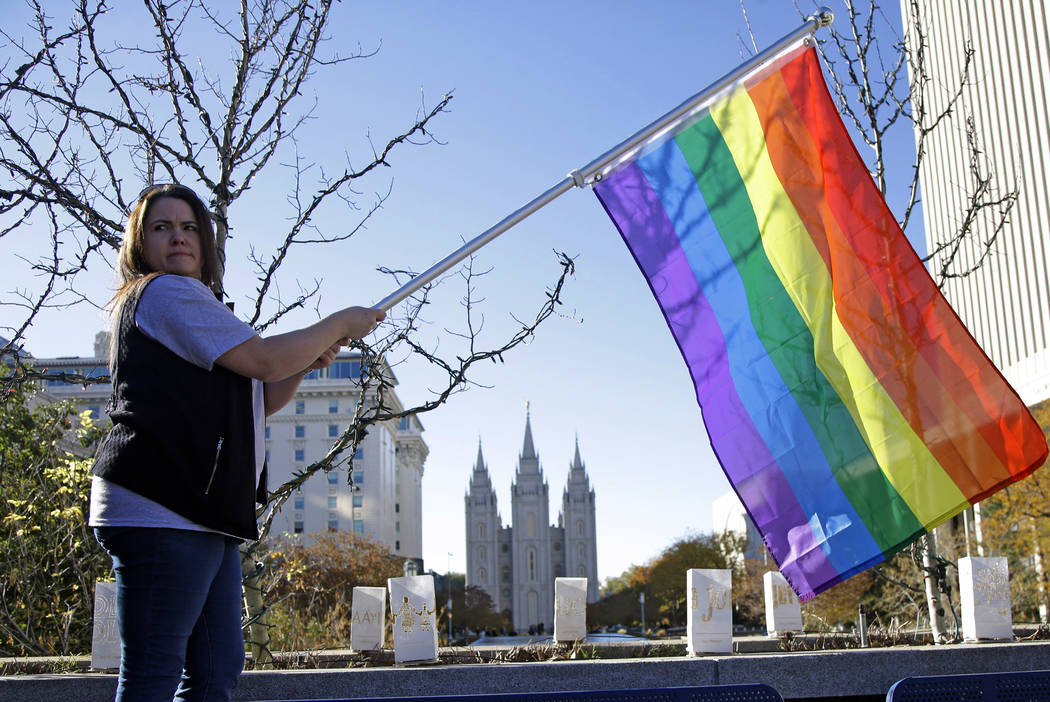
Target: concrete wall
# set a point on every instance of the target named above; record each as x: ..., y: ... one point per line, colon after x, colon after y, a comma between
x: 832, y: 674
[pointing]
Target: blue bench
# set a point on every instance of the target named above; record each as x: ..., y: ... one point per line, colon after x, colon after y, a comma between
x: 713, y: 693
x: 1028, y: 686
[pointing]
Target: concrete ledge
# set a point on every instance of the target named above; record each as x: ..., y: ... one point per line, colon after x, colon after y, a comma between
x: 872, y: 671
x: 843, y: 674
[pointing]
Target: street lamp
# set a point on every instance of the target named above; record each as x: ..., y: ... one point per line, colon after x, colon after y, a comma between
x: 641, y: 599
x: 448, y: 579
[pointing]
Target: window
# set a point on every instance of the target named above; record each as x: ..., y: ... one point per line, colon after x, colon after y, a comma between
x: 267, y: 455
x: 333, y: 477
x: 333, y: 525
x: 481, y: 553
x: 358, y: 500
x: 581, y: 550
x: 299, y: 502
x: 397, y: 527
x: 300, y: 406
x: 483, y: 576
x: 359, y: 526
x: 333, y: 502
x: 532, y: 563
x: 579, y: 527
x: 481, y: 530
x: 313, y: 375
x: 358, y: 476
x: 297, y: 527
x: 333, y: 407
x: 300, y: 431
x: 397, y: 508
x: 345, y: 369
x: 94, y: 411
x: 333, y: 431
x: 397, y: 545
x: 359, y: 454
x: 403, y: 425
x: 506, y: 576
x: 300, y: 455
x: 583, y: 572
x: 267, y: 432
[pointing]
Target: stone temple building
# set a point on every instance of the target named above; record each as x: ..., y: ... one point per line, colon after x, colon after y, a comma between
x: 517, y: 564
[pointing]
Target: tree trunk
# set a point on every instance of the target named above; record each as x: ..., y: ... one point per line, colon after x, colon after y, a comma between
x: 978, y: 534
x: 258, y: 618
x: 1040, y: 573
x: 933, y: 594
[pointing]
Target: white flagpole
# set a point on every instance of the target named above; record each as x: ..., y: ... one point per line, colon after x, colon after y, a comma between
x: 582, y: 176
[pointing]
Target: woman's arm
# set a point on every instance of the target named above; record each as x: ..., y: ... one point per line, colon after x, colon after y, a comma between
x: 278, y: 394
x: 279, y: 357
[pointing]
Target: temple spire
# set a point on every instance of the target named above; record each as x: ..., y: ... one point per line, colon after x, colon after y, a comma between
x: 479, y: 464
x: 577, y: 464
x: 527, y: 449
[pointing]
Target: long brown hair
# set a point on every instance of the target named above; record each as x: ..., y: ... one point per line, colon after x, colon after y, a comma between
x: 132, y: 269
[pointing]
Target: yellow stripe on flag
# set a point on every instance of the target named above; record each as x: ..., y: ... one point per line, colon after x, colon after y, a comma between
x: 903, y: 457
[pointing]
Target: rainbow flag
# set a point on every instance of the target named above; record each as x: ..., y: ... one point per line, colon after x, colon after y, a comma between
x: 848, y: 405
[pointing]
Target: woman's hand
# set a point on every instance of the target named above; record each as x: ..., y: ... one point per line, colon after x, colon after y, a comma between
x: 359, y: 322
x: 278, y: 357
x: 327, y: 358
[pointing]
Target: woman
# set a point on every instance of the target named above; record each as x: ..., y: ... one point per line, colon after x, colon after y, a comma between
x: 175, y: 481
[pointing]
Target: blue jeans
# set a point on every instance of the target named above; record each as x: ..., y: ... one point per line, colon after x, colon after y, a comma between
x: 178, y: 613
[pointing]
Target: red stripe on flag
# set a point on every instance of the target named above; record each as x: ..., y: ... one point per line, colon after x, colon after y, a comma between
x: 907, y: 292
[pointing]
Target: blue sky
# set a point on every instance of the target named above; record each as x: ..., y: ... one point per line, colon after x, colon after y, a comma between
x: 540, y: 88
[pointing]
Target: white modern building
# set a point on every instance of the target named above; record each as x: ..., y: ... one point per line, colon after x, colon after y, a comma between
x: 517, y: 565
x: 1005, y: 303
x: 728, y: 516
x: 385, y: 500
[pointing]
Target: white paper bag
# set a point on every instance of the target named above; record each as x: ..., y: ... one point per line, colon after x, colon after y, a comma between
x: 415, y: 622
x: 984, y: 590
x: 367, y: 618
x: 783, y: 610
x: 570, y: 609
x: 105, y: 638
x: 709, y: 618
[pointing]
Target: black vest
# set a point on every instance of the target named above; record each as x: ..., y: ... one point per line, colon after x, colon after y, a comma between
x: 182, y: 436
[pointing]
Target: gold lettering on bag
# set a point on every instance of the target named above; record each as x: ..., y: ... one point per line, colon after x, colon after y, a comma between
x: 424, y: 617
x: 783, y: 595
x: 564, y: 607
x: 406, y: 616
x: 992, y: 587
x: 367, y: 616
x: 717, y: 599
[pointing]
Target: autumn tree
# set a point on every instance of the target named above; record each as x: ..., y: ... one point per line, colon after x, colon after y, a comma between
x: 473, y: 609
x: 1016, y: 523
x: 309, y: 585
x: 50, y: 558
x: 666, y: 594
x: 215, y: 96
x: 619, y: 603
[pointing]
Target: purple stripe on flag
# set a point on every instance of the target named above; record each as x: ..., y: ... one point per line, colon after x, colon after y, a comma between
x: 648, y: 233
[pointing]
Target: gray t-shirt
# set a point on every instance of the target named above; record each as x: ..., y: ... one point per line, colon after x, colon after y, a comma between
x: 182, y: 314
